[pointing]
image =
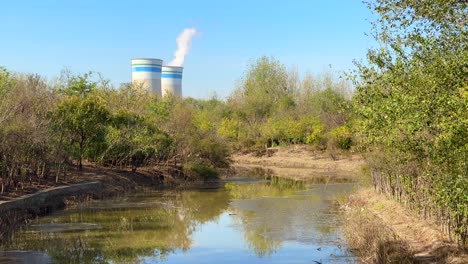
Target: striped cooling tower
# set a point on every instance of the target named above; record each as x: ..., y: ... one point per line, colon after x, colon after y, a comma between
x: 147, y: 72
x: 171, y: 80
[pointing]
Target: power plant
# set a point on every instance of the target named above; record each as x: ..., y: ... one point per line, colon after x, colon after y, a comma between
x: 171, y: 80
x: 161, y: 80
x: 147, y: 73
x: 164, y: 80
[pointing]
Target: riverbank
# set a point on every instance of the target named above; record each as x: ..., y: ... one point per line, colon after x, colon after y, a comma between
x: 17, y: 211
x: 114, y: 181
x: 301, y: 163
x: 41, y: 197
x: 295, y: 162
x: 378, y: 229
x: 381, y: 230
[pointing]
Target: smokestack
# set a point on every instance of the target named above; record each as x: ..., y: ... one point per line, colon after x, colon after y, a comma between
x: 147, y: 72
x: 171, y: 80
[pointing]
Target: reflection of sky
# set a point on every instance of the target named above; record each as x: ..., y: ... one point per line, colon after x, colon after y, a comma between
x: 219, y: 242
x: 296, y: 222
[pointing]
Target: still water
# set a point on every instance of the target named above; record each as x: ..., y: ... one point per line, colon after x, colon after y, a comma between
x: 240, y: 221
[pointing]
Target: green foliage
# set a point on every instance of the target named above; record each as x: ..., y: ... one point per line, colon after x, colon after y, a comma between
x: 43, y: 128
x: 6, y: 82
x: 80, y: 85
x: 81, y: 122
x: 82, y: 118
x: 341, y: 137
x: 263, y: 88
x: 133, y: 140
x: 411, y: 104
x: 212, y: 151
x: 200, y: 171
x: 271, y: 108
x: 316, y: 136
x: 229, y: 128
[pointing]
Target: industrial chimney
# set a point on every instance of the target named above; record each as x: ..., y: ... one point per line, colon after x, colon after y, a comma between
x: 147, y: 72
x: 171, y: 80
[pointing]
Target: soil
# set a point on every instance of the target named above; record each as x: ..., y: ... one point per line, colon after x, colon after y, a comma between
x: 426, y: 241
x: 302, y: 163
x: 115, y: 181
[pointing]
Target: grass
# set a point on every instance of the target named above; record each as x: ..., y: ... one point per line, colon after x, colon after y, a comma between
x: 372, y: 241
x: 380, y: 230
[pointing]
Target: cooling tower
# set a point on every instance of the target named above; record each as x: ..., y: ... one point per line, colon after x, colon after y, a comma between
x: 147, y: 72
x: 171, y: 80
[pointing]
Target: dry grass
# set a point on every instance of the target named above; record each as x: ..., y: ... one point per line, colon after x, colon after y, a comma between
x: 373, y: 242
x: 381, y: 230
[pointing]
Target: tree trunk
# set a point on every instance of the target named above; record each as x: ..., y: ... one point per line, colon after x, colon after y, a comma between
x: 58, y: 172
x: 80, y: 163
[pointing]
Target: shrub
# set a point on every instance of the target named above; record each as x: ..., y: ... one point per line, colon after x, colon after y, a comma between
x: 341, y: 137
x: 199, y: 171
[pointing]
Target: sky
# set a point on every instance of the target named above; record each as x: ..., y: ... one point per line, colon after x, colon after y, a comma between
x: 47, y: 36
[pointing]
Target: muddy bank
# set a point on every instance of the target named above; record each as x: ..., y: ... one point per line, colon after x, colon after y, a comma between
x: 114, y: 181
x: 51, y: 198
x: 381, y: 230
x: 18, y: 211
x: 301, y: 163
x: 18, y: 206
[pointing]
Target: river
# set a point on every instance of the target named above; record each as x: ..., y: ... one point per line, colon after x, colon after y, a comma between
x: 238, y: 221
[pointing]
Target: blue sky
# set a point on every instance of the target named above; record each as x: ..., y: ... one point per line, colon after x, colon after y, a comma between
x: 46, y: 36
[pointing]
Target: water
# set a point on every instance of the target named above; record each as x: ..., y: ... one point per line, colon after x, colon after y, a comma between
x: 277, y: 221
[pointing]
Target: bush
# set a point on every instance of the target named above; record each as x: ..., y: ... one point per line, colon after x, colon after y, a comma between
x: 213, y: 152
x: 341, y: 137
x: 316, y: 137
x: 199, y: 171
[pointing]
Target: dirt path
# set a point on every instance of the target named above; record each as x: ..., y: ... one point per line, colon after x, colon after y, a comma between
x: 425, y: 242
x: 301, y: 163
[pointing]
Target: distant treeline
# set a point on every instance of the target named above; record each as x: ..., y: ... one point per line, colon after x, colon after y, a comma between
x: 44, y: 128
x: 47, y: 126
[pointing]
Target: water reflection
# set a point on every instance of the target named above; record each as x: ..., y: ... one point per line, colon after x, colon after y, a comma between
x: 174, y: 226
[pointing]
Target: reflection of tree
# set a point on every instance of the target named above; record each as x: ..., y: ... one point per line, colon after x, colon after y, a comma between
x: 260, y: 243
x: 129, y: 233
x: 277, y: 187
x: 257, y: 233
x: 156, y: 224
x: 203, y: 205
x: 268, y: 218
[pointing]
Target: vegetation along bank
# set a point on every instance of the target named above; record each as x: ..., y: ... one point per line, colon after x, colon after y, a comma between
x: 405, y: 113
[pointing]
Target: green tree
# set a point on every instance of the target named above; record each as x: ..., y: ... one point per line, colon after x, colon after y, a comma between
x: 131, y: 139
x: 262, y: 90
x: 80, y: 120
x: 411, y: 105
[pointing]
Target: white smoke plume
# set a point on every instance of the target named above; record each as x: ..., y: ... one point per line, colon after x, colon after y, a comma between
x: 183, y: 45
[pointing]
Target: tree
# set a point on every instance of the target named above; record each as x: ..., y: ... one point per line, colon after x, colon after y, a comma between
x: 263, y: 89
x: 80, y: 120
x: 132, y: 139
x: 411, y: 105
